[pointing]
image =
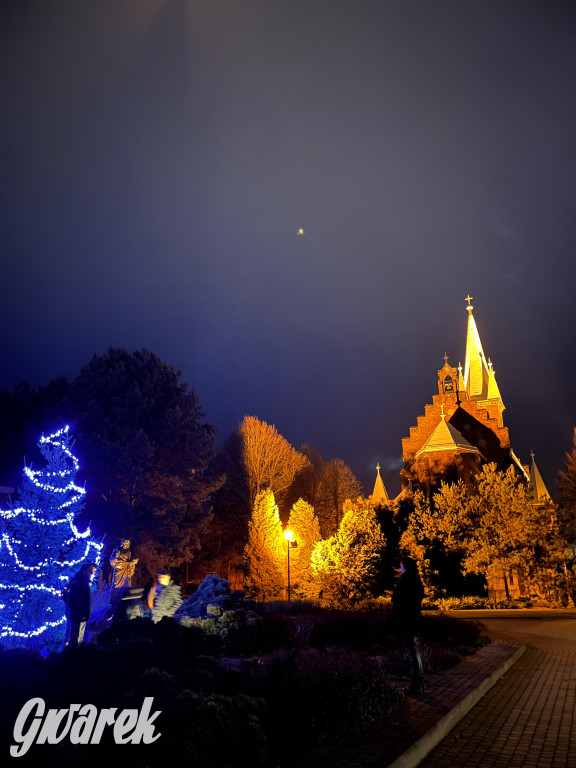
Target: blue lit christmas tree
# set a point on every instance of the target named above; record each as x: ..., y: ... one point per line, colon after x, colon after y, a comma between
x: 41, y: 548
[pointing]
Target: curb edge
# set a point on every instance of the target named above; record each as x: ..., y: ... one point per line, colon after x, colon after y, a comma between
x: 426, y: 743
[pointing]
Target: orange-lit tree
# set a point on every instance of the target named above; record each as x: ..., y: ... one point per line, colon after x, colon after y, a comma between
x: 567, y: 513
x: 345, y: 566
x: 264, y: 551
x: 507, y: 530
x: 437, y: 529
x: 306, y: 532
x: 495, y: 527
x: 270, y: 461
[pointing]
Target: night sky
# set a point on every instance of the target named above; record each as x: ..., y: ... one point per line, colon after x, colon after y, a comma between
x: 158, y: 158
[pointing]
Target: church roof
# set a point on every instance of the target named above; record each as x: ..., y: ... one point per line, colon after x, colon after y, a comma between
x: 379, y: 496
x: 536, y: 485
x: 446, y: 438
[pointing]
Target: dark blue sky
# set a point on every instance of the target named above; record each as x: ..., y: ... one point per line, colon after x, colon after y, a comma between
x: 159, y: 156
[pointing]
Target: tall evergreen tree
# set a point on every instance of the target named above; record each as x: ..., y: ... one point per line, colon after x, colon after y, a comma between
x: 264, y: 552
x: 142, y: 429
x: 345, y: 566
x: 41, y: 548
x: 306, y: 532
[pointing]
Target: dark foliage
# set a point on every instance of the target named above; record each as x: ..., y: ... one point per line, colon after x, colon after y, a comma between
x: 141, y: 432
x: 311, y: 672
x: 142, y: 437
x: 225, y: 537
x: 315, y: 696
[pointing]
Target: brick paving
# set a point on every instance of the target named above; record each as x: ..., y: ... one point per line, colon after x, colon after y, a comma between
x: 527, y: 720
x: 381, y: 747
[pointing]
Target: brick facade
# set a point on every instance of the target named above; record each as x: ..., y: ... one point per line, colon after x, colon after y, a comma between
x: 479, y: 422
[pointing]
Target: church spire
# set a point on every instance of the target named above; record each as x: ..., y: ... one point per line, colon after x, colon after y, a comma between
x: 475, y: 366
x: 536, y: 486
x: 493, y: 391
x: 461, y: 385
x: 379, y: 496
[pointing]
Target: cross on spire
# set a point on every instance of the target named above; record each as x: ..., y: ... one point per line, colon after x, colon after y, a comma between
x: 469, y: 299
x: 445, y: 358
x: 378, y: 467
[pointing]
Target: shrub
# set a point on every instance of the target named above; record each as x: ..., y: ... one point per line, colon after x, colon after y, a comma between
x: 213, y: 591
x: 237, y: 630
x: 468, y: 602
x: 318, y: 695
x: 169, y: 636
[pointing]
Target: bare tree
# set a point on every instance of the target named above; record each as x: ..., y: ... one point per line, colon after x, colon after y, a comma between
x: 307, y: 483
x: 270, y: 460
x: 338, y: 484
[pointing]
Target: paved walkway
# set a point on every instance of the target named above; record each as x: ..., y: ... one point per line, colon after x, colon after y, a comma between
x: 445, y: 691
x: 528, y: 720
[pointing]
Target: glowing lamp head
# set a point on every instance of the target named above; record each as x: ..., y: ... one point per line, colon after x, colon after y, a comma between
x: 288, y: 535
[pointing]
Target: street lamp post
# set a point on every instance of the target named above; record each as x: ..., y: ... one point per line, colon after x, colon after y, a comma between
x: 289, y: 543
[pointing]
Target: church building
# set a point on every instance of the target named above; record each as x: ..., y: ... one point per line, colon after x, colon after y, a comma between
x: 463, y: 427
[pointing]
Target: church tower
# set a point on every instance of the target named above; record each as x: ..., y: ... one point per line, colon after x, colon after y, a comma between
x: 462, y: 428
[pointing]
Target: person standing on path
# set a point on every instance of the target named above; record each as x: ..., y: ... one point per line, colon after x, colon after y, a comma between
x: 406, y: 608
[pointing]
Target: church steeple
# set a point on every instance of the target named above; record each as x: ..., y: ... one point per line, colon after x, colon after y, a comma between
x: 379, y: 496
x: 479, y: 377
x: 536, y: 486
x: 476, y: 373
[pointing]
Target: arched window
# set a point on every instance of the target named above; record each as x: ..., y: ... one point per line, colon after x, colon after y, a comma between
x: 448, y: 384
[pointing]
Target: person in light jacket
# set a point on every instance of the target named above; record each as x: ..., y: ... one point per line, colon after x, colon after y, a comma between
x: 165, y: 597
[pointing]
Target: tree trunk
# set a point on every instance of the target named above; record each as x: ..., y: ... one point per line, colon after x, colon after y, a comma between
x: 506, y: 586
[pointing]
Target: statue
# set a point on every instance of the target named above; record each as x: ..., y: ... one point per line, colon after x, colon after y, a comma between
x: 123, y: 565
